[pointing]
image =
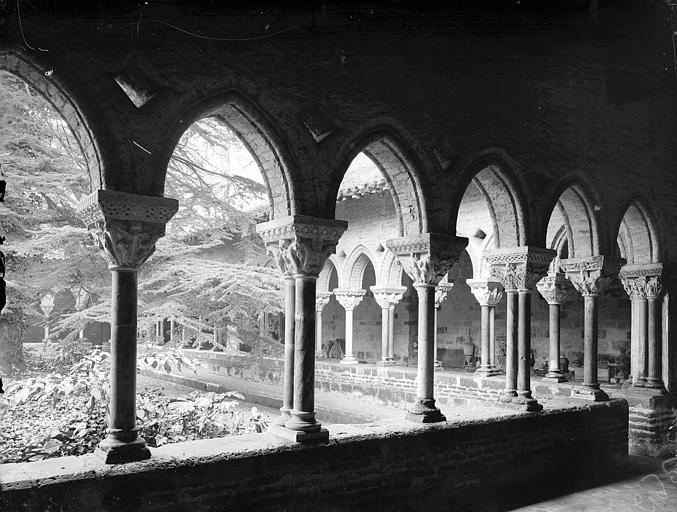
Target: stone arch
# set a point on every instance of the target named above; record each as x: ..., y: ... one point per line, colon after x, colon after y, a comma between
x: 355, y: 265
x: 637, y: 235
x: 399, y: 167
x: 491, y: 172
x: 572, y: 216
x: 390, y: 274
x: 58, y: 95
x: 325, y: 279
x: 256, y: 133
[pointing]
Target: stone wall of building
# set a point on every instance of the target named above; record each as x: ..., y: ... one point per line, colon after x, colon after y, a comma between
x: 476, y: 465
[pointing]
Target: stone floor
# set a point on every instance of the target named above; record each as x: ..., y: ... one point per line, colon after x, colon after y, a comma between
x: 650, y: 485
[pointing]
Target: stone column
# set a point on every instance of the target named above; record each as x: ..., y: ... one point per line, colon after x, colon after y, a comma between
x: 589, y: 276
x: 301, y: 245
x: 426, y: 259
x: 488, y: 293
x: 441, y: 293
x: 519, y: 269
x: 321, y: 300
x: 555, y: 289
x: 387, y: 298
x: 349, y: 299
x: 643, y: 285
x: 126, y: 228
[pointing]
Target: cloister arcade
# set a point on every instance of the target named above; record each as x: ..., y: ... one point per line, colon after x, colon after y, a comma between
x: 487, y: 247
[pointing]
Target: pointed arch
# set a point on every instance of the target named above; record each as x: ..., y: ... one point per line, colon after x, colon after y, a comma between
x: 637, y: 235
x: 355, y: 265
x: 328, y: 276
x: 390, y: 274
x: 258, y: 135
x: 398, y: 165
x: 63, y: 101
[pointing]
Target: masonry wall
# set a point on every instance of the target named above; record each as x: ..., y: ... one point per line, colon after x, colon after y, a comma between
x: 479, y: 465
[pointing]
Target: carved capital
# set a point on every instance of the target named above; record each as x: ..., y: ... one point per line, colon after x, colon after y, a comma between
x: 300, y: 244
x: 642, y: 281
x: 126, y: 226
x: 388, y: 297
x: 590, y: 276
x: 321, y: 300
x: 519, y: 268
x: 488, y: 292
x: 427, y: 258
x: 554, y: 288
x: 349, y: 299
x: 441, y: 292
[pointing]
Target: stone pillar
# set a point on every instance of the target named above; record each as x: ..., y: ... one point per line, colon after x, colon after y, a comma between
x: 488, y: 293
x: 440, y: 295
x: 643, y: 285
x: 426, y: 259
x: 126, y: 228
x: 301, y: 245
x: 321, y: 300
x: 519, y: 269
x: 349, y: 299
x: 555, y: 289
x: 387, y: 298
x: 589, y: 276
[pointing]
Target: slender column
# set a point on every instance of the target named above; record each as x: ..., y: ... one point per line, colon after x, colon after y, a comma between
x: 555, y: 289
x: 589, y: 276
x: 440, y: 295
x: 426, y: 259
x: 642, y: 283
x: 519, y: 269
x: 488, y: 293
x: 289, y: 336
x: 301, y: 245
x: 349, y: 299
x: 387, y: 298
x: 492, y: 340
x: 321, y: 300
x: 126, y: 228
x: 172, y: 326
x: 391, y: 335
x: 654, y: 341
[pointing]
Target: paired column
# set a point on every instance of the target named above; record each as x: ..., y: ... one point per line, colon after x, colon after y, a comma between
x: 126, y: 228
x: 426, y: 259
x: 488, y: 293
x: 643, y: 285
x: 387, y: 298
x: 349, y: 299
x: 321, y: 300
x: 589, y: 276
x: 441, y: 292
x: 300, y: 246
x: 555, y: 289
x: 519, y: 269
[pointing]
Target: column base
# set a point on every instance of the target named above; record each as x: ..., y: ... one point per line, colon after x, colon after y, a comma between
x: 424, y: 411
x: 486, y: 371
x: 508, y: 395
x: 654, y: 383
x: 114, y: 451
x: 528, y: 402
x: 299, y: 436
x: 639, y: 382
x: 303, y: 421
x: 283, y: 418
x: 554, y: 377
x: 349, y: 360
x: 386, y: 362
x: 592, y: 393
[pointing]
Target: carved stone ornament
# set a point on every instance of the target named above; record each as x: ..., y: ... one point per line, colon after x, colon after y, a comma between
x: 590, y: 276
x: 519, y: 268
x: 321, y: 300
x: 642, y: 281
x: 555, y: 288
x: 488, y: 292
x: 349, y: 299
x: 126, y: 226
x: 300, y: 244
x: 388, y: 297
x: 427, y: 258
x: 441, y: 292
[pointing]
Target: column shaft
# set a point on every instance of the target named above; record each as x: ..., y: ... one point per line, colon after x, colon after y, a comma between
x: 391, y: 333
x: 640, y: 378
x: 554, y: 371
x: 654, y: 349
x: 303, y: 413
x: 318, y: 331
x: 289, y: 328
x: 484, y: 340
x: 492, y: 339
x: 524, y: 345
x: 511, y: 343
x: 349, y: 357
x: 590, y: 342
x: 385, y: 332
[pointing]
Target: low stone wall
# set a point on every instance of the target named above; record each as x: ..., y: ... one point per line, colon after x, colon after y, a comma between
x: 651, y: 416
x: 480, y: 465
